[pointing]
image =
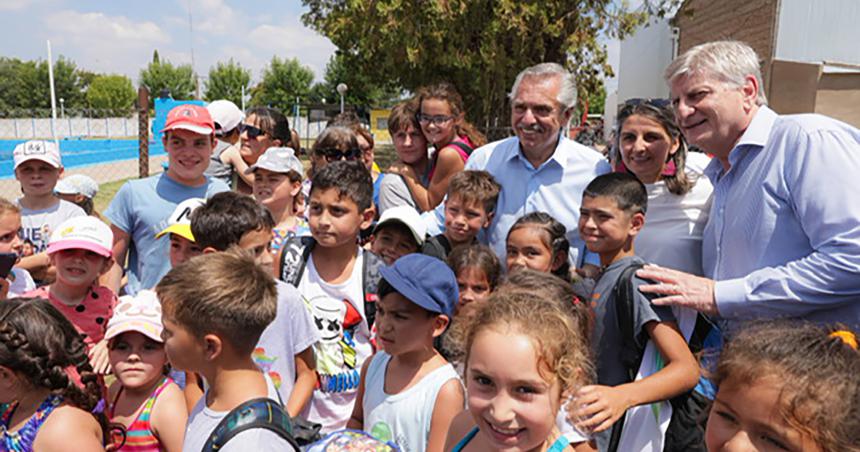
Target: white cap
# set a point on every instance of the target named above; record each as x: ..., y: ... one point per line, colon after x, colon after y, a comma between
x: 77, y: 184
x: 87, y: 233
x: 226, y: 115
x: 180, y: 220
x: 409, y: 217
x: 278, y: 160
x: 46, y: 151
x: 140, y: 313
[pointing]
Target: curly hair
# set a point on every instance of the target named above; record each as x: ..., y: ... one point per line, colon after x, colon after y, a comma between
x: 554, y: 237
x: 447, y: 92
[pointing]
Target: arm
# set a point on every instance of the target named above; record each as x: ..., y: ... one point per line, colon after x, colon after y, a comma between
x: 600, y: 406
x: 448, y: 163
x: 306, y: 380
x: 356, y: 420
x: 168, y: 418
x: 69, y: 425
x: 36, y: 264
x: 449, y: 403
x: 193, y: 391
x: 99, y: 358
x: 113, y: 278
x: 231, y: 156
x: 460, y: 426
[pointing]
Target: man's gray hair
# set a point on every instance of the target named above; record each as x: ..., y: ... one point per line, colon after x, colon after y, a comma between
x: 729, y: 62
x: 567, y: 93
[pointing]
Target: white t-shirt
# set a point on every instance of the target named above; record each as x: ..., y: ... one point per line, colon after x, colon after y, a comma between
x: 37, y: 225
x: 21, y: 283
x: 338, y: 312
x: 402, y: 418
x: 202, y: 421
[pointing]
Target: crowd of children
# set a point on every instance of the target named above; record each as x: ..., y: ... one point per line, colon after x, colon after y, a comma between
x: 290, y: 311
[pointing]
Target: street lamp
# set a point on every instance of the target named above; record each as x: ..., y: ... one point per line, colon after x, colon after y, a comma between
x: 62, y: 107
x: 341, y: 89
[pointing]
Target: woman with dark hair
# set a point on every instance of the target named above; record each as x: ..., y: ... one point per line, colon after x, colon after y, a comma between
x: 263, y: 128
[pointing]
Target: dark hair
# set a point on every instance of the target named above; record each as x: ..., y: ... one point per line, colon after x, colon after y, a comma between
x: 350, y: 179
x: 226, y: 217
x: 627, y: 191
x: 553, y: 288
x: 663, y: 115
x: 447, y: 92
x: 273, y: 122
x: 478, y: 256
x: 555, y: 237
x: 475, y: 187
x: 819, y: 370
x: 351, y: 121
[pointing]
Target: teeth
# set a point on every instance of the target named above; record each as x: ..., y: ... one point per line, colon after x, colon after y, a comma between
x: 505, y: 431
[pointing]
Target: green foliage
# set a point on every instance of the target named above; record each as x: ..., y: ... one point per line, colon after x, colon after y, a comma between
x: 162, y: 74
x: 111, y: 95
x: 226, y: 81
x: 283, y: 81
x: 24, y: 85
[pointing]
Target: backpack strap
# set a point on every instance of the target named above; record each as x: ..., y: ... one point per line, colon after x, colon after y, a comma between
x: 463, y: 146
x: 259, y: 413
x: 294, y: 255
x: 370, y: 277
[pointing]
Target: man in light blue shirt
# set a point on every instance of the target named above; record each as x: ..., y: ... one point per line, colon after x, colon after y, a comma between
x: 539, y: 169
x: 783, y: 238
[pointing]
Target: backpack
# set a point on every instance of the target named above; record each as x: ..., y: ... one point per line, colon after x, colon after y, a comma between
x: 262, y: 412
x: 685, y: 432
x: 295, y: 253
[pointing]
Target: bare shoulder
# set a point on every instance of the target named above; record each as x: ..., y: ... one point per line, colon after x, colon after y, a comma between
x: 69, y: 425
x: 168, y: 403
x: 460, y: 426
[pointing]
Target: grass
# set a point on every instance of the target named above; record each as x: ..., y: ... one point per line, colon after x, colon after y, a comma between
x: 106, y: 193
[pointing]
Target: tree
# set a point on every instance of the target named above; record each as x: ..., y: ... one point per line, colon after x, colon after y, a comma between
x: 283, y: 81
x: 478, y: 45
x: 25, y: 85
x: 363, y: 91
x: 162, y: 74
x: 111, y: 95
x: 226, y: 81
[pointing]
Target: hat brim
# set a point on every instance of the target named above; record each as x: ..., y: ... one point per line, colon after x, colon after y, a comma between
x: 39, y: 158
x: 418, y: 239
x: 202, y: 130
x: 79, y: 245
x: 180, y: 229
x: 148, y: 330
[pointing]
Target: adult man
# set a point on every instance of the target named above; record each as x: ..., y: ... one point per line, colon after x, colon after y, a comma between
x: 539, y: 169
x: 142, y: 207
x: 783, y: 238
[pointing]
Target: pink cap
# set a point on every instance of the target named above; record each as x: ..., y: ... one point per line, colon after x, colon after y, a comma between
x: 190, y: 117
x: 83, y: 233
x: 140, y: 313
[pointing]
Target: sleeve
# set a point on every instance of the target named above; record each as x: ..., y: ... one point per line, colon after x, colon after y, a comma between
x: 644, y: 311
x: 821, y: 175
x: 305, y: 333
x: 118, y: 212
x: 393, y: 192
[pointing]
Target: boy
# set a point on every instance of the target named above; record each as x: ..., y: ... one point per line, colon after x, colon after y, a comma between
x: 285, y: 349
x: 469, y: 207
x: 277, y: 181
x: 214, y: 309
x: 339, y: 285
x: 398, y: 232
x: 412, y: 157
x: 611, y: 215
x: 182, y: 243
x: 37, y: 168
x: 408, y: 392
x: 142, y: 207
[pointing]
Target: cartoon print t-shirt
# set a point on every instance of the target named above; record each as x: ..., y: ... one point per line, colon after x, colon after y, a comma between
x: 338, y: 313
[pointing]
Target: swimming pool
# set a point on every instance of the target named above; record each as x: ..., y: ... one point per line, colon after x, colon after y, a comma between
x: 82, y: 152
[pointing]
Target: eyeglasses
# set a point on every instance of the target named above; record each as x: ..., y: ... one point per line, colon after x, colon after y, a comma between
x: 253, y: 132
x: 435, y: 120
x: 333, y: 155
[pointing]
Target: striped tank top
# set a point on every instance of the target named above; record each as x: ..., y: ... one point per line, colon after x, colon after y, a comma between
x: 139, y: 436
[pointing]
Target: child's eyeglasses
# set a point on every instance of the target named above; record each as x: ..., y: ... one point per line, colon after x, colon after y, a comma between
x: 253, y: 132
x: 333, y: 155
x: 435, y: 120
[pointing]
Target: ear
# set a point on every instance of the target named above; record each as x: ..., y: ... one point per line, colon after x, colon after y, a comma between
x: 212, y: 347
x: 276, y: 143
x: 676, y: 144
x: 637, y: 221
x: 558, y: 259
x: 297, y: 187
x: 108, y: 263
x: 209, y: 249
x: 367, y: 217
x: 213, y: 141
x: 60, y: 171
x: 566, y: 115
x: 750, y: 91
x: 488, y: 220
x: 440, y: 324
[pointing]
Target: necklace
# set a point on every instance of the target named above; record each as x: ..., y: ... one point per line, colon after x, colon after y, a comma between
x: 22, y: 440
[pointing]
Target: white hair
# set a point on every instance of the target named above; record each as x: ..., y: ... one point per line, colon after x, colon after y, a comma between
x: 567, y: 93
x: 730, y: 62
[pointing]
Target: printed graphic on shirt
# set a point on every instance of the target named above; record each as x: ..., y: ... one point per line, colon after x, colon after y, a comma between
x: 335, y: 352
x: 38, y: 236
x: 265, y: 363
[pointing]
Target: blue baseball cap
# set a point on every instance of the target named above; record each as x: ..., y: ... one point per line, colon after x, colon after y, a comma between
x: 425, y: 281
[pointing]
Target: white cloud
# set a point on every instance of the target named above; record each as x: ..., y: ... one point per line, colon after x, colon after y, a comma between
x: 214, y: 17
x: 294, y: 40
x: 15, y: 5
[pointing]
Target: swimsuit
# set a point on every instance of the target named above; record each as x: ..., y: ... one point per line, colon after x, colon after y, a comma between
x: 22, y: 440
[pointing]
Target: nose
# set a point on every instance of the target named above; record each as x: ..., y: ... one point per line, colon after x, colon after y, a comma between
x: 501, y: 409
x: 739, y: 442
x: 467, y: 296
x: 528, y: 117
x: 517, y: 260
x: 639, y: 144
x: 265, y: 259
x: 683, y: 110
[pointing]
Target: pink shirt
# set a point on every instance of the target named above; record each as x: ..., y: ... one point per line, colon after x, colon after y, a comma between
x: 90, y: 317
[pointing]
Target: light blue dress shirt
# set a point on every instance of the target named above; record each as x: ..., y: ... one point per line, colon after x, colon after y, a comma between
x: 555, y: 187
x: 783, y: 239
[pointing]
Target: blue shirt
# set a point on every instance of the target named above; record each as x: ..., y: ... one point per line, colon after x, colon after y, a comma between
x: 141, y: 209
x: 783, y: 239
x: 554, y: 187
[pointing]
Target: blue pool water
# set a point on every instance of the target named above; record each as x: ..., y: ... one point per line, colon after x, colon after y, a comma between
x: 82, y: 152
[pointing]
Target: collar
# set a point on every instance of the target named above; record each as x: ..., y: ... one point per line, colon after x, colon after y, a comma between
x: 754, y: 138
x: 555, y: 157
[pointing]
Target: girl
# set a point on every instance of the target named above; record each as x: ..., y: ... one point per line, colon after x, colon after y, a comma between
x: 539, y: 242
x: 263, y: 128
x: 277, y: 181
x: 478, y: 273
x: 146, y: 402
x: 515, y: 407
x: 787, y: 386
x: 442, y: 118
x: 41, y: 408
x: 19, y: 280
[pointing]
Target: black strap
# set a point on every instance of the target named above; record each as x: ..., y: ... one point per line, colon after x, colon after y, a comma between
x: 259, y: 413
x: 465, y: 147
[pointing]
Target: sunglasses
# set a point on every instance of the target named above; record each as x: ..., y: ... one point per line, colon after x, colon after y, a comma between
x: 333, y: 155
x: 253, y: 132
x: 435, y: 120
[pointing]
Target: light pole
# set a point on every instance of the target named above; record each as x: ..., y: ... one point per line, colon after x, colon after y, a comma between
x: 341, y: 89
x: 62, y: 108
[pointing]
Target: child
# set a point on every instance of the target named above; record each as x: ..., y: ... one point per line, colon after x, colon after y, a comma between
x: 787, y: 386
x: 18, y: 281
x: 412, y: 159
x: 143, y: 206
x: 142, y: 399
x: 40, y: 409
x: 214, y: 309
x: 398, y: 232
x: 277, y: 181
x: 478, y: 273
x: 337, y: 280
x: 37, y: 168
x: 539, y: 242
x: 514, y: 407
x: 472, y: 197
x: 612, y: 213
x: 285, y: 349
x: 408, y: 392
x: 78, y: 189
x: 182, y: 243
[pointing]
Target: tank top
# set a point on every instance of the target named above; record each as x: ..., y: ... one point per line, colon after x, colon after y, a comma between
x: 139, y: 436
x: 22, y: 440
x: 557, y: 446
x: 463, y: 155
x: 403, y: 418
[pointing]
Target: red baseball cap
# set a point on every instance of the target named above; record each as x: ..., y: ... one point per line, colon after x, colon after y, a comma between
x: 190, y: 117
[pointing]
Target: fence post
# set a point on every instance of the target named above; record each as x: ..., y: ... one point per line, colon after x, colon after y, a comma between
x: 143, y: 131
x: 89, y: 131
x: 107, y: 127
x: 15, y: 122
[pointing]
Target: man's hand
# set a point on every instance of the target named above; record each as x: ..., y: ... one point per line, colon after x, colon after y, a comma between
x: 100, y: 359
x: 595, y: 408
x: 679, y: 289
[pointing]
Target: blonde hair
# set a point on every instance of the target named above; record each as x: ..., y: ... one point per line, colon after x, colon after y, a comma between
x: 7, y: 206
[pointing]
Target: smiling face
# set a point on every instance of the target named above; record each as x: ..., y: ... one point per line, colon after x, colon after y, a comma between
x: 513, y: 406
x: 37, y: 178
x: 335, y: 220
x: 137, y: 360
x: 438, y: 132
x: 78, y: 268
x: 392, y: 241
x: 188, y: 155
x: 254, y: 143
x: 527, y: 247
x: 410, y: 145
x: 536, y: 115
x: 645, y: 147
x: 402, y: 326
x: 604, y: 227
x: 463, y: 220
x: 746, y: 417
x: 274, y: 190
x: 10, y: 222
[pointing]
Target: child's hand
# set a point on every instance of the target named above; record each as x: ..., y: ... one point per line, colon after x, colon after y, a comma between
x: 596, y: 408
x: 402, y: 169
x: 99, y: 358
